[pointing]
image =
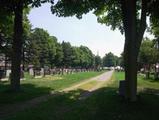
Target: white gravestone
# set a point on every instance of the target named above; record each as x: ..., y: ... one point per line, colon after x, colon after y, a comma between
x: 31, y: 71
x: 42, y: 72
x: 8, y: 72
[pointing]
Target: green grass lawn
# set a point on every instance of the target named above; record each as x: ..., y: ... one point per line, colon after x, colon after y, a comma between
x: 104, y: 104
x: 144, y: 85
x: 32, y: 87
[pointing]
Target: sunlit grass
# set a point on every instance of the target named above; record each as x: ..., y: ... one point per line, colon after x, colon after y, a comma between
x: 88, y: 86
x: 143, y: 83
x: 32, y: 87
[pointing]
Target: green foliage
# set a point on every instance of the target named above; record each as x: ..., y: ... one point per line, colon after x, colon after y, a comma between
x: 52, y: 50
x: 6, y: 31
x: 121, y: 60
x: 98, y: 61
x: 110, y: 60
x: 110, y: 15
x: 59, y: 55
x: 107, y: 11
x: 154, y: 17
x: 87, y: 57
x: 148, y: 52
x: 67, y: 54
x: 6, y: 26
x: 41, y: 48
x: 65, y: 8
x: 76, y: 57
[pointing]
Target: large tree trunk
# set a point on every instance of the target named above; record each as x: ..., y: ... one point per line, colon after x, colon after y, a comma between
x: 133, y: 38
x: 23, y: 57
x: 130, y: 72
x: 5, y: 66
x: 17, y: 47
x: 130, y: 55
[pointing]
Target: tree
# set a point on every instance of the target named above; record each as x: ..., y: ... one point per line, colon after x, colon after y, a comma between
x: 121, y: 60
x: 148, y: 55
x: 109, y: 60
x: 86, y: 58
x: 76, y: 57
x: 97, y: 62
x: 41, y: 48
x: 67, y: 54
x: 6, y: 24
x: 127, y: 15
x: 16, y: 7
x: 26, y: 34
x: 52, y: 50
x: 59, y: 55
x: 82, y: 57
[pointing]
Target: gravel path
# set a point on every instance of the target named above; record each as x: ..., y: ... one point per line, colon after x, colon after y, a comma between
x: 101, y: 82
x: 103, y: 77
x: 14, y: 108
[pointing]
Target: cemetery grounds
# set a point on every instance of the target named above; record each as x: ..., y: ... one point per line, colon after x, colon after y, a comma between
x: 103, y: 104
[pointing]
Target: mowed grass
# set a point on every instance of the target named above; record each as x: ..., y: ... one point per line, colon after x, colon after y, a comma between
x: 144, y: 84
x: 32, y: 87
x: 104, y: 104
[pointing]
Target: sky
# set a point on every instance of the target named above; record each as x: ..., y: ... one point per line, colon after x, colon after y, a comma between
x: 86, y: 31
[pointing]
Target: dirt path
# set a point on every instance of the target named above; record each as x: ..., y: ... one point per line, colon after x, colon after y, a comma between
x: 14, y: 108
x: 100, y: 79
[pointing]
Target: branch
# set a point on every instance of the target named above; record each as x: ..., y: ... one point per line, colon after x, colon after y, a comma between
x: 142, y: 25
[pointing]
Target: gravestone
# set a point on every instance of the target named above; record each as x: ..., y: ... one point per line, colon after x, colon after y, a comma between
x: 31, y: 71
x: 42, y: 72
x: 37, y: 71
x: 47, y: 70
x: 22, y: 74
x: 2, y: 74
x: 122, y: 88
x: 8, y: 72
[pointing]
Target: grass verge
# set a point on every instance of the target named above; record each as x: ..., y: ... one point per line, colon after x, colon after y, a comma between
x: 104, y: 104
x: 32, y: 87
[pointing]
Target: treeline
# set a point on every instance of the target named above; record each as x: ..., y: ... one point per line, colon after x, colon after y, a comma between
x: 111, y: 60
x: 45, y: 50
x: 41, y: 49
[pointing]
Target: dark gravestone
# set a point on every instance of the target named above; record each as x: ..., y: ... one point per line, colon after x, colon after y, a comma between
x: 122, y: 87
x: 47, y: 71
x: 22, y: 74
x: 2, y: 74
x: 37, y: 71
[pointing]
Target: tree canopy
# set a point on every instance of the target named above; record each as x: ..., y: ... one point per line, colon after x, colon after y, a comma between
x: 110, y: 60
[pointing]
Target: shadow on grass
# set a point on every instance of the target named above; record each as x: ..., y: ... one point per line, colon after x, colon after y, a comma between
x: 150, y: 91
x: 150, y: 79
x: 102, y: 104
x: 153, y: 80
x: 28, y: 91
